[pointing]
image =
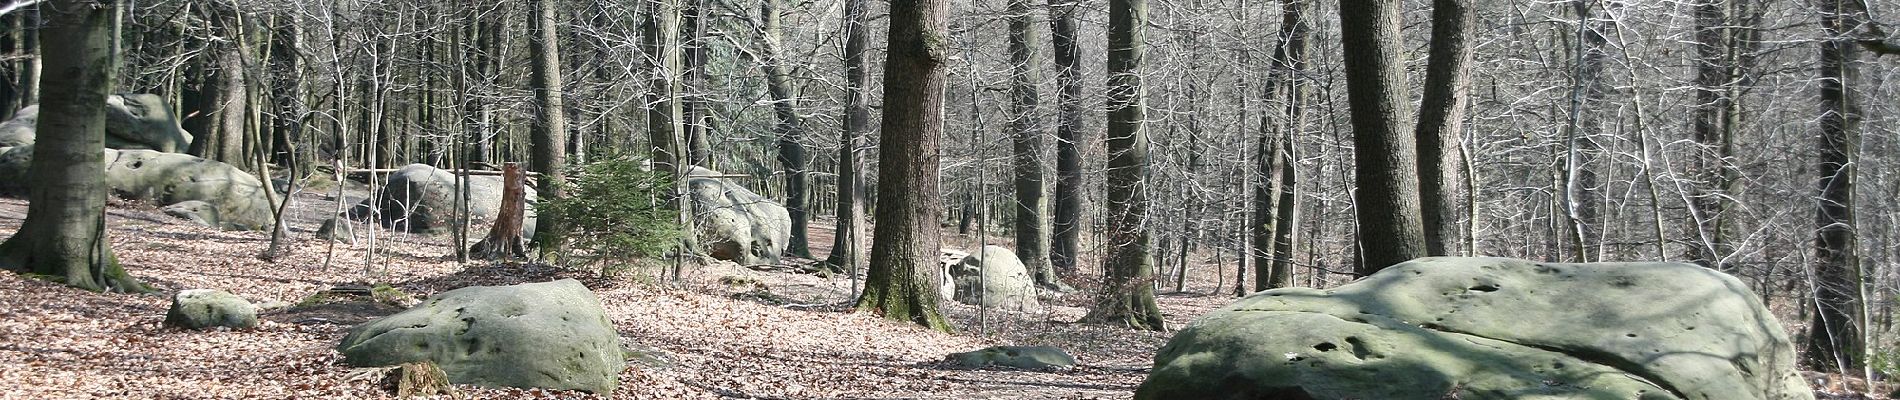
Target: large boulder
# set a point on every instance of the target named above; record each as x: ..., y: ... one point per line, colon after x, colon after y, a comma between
x: 211, y: 192
x: 1489, y: 328
x: 210, y: 308
x: 133, y: 121
x: 550, y: 335
x: 736, y: 224
x: 421, y: 198
x: 1009, y: 285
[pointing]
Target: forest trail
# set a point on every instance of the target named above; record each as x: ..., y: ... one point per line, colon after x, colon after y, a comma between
x: 728, y: 332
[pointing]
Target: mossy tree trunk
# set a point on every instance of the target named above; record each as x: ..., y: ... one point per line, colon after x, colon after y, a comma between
x: 1128, y: 296
x: 64, y: 235
x: 904, y: 276
x: 1032, y: 207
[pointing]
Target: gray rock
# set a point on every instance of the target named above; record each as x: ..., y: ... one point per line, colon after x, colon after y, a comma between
x: 232, y: 198
x: 736, y: 224
x: 550, y: 335
x: 1009, y: 285
x: 1024, y: 357
x: 133, y: 122
x: 337, y: 231
x: 1489, y: 328
x: 196, y: 211
x: 209, y: 308
x: 421, y: 198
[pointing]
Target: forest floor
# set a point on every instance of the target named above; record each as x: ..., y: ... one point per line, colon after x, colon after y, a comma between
x: 723, y: 330
x: 726, y: 331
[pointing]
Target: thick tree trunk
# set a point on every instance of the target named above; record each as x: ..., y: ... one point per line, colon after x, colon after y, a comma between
x: 1127, y: 296
x: 1440, y: 118
x: 1066, y: 225
x: 790, y: 129
x: 1834, y: 334
x: 549, y: 132
x: 1032, y: 217
x: 221, y: 99
x: 1391, y: 229
x: 64, y: 234
x: 903, y: 281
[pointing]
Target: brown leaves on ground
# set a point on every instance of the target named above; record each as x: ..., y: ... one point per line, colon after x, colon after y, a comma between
x: 791, y: 338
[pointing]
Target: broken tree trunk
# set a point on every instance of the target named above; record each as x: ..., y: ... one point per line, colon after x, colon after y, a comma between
x: 505, y: 238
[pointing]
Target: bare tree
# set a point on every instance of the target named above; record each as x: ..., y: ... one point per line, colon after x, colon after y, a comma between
x: 1127, y: 296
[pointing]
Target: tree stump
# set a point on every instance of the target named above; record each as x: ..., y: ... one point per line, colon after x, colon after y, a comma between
x: 504, y: 238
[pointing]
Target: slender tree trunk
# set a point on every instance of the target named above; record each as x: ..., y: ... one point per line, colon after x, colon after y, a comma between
x: 1127, y: 296
x: 693, y: 109
x: 664, y: 128
x: 29, y: 78
x: 64, y: 234
x: 903, y: 281
x: 11, y: 30
x: 1581, y: 200
x: 1834, y: 335
x: 847, y: 246
x: 1066, y: 224
x: 1391, y: 227
x: 1440, y: 118
x: 1032, y: 218
x: 549, y: 132
x: 790, y: 129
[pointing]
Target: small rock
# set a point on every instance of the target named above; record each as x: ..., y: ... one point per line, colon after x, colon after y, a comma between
x: 337, y: 231
x: 1024, y: 357
x: 207, y: 308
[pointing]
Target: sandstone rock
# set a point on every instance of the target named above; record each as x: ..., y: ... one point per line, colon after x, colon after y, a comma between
x: 1489, y: 328
x: 421, y: 198
x: 550, y: 335
x: 1009, y: 285
x: 736, y: 224
x: 1024, y: 357
x: 210, y: 308
x: 133, y: 122
x: 225, y: 196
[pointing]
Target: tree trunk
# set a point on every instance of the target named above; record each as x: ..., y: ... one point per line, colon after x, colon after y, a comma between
x: 1834, y: 336
x: 664, y: 128
x: 1032, y: 218
x: 1725, y: 39
x: 504, y: 238
x: 29, y: 78
x: 693, y: 108
x: 221, y: 98
x: 64, y: 234
x: 847, y: 246
x: 1580, y: 177
x: 1440, y: 118
x: 1391, y: 227
x: 790, y: 129
x: 903, y: 281
x: 1127, y: 296
x: 1066, y: 225
x: 11, y: 31
x: 549, y: 132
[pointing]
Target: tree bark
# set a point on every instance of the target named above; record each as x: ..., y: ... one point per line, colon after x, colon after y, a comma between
x: 1127, y: 296
x: 1066, y: 224
x: 549, y: 131
x: 664, y: 128
x: 790, y: 128
x: 903, y: 280
x: 847, y: 246
x: 1391, y: 227
x: 1440, y: 118
x: 1032, y: 218
x: 1834, y: 334
x: 504, y: 237
x: 1580, y: 177
x: 64, y: 235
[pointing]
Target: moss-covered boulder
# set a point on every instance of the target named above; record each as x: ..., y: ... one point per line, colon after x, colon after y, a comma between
x: 133, y: 121
x: 210, y: 308
x: 1024, y: 357
x: 994, y: 277
x: 1489, y: 328
x: 735, y: 224
x: 226, y: 197
x: 421, y: 198
x: 550, y: 335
